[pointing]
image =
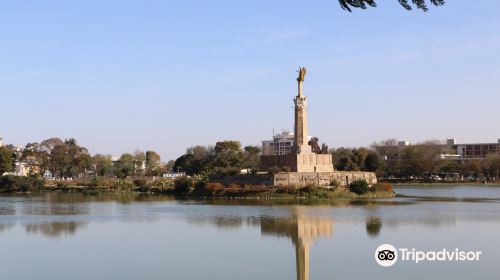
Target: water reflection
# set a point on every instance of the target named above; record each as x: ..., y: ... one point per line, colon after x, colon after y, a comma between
x: 373, y: 226
x: 302, y: 229
x: 55, y: 229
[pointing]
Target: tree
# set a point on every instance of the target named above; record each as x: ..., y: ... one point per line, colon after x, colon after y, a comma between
x: 251, y: 157
x: 6, y: 160
x: 491, y: 165
x: 102, y: 165
x: 169, y: 167
x: 472, y: 168
x: 344, y: 160
x: 363, y: 4
x: 68, y: 159
x: 228, y: 154
x: 420, y: 159
x: 372, y: 162
x: 153, y: 163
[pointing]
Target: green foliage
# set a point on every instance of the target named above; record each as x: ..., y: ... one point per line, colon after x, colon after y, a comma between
x: 183, y: 185
x: 153, y: 163
x: 372, y: 162
x: 6, y: 160
x: 228, y: 170
x: 11, y: 183
x: 66, y: 159
x: 103, y: 165
x: 227, y: 157
x: 140, y: 182
x: 359, y: 187
x: 163, y: 183
x: 120, y: 185
x: 123, y: 171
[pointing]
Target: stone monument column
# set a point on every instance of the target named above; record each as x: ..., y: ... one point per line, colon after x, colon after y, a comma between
x: 300, y: 133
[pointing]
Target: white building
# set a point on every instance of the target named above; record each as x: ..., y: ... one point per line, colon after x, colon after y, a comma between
x: 280, y: 145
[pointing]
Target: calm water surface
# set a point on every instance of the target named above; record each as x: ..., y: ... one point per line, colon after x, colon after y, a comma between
x: 71, y: 236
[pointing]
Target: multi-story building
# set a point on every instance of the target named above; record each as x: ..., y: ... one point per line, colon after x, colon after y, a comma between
x: 280, y: 145
x: 477, y: 150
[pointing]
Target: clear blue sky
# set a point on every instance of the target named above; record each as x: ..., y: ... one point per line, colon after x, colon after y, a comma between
x: 166, y: 75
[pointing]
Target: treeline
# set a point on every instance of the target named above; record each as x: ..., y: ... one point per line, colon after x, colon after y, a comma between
x: 421, y: 160
x: 67, y: 159
x: 226, y: 157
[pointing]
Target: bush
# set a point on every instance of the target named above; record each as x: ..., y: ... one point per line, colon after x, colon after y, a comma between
x: 309, y: 188
x: 253, y: 188
x: 183, y: 185
x: 140, y: 182
x: 11, y: 183
x: 289, y: 189
x: 359, y: 187
x: 213, y: 188
x: 163, y: 183
x: 120, y: 185
x: 227, y: 170
x: 233, y: 189
x: 382, y: 187
x: 274, y: 170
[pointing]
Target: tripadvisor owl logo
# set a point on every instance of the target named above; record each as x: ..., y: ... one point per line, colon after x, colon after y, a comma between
x: 386, y: 255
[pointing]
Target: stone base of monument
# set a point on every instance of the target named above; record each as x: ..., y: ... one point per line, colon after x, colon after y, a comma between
x: 304, y: 162
x: 297, y: 179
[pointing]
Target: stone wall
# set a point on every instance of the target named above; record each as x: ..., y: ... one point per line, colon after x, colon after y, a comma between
x: 322, y: 178
x: 296, y: 179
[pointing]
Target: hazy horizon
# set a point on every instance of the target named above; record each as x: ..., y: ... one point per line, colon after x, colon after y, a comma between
x: 166, y: 75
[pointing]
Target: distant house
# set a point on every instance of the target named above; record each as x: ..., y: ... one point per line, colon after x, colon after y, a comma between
x: 173, y: 175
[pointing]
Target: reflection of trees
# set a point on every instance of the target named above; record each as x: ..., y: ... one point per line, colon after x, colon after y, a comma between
x: 7, y: 226
x: 55, y: 229
x: 373, y: 226
x: 221, y: 222
x: 302, y: 230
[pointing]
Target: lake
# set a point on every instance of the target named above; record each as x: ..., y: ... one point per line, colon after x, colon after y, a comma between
x: 130, y: 236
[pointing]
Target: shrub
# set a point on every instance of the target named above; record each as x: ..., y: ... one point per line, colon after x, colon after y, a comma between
x: 289, y: 189
x: 227, y: 170
x: 120, y: 185
x: 309, y: 188
x: 382, y: 187
x: 163, y: 183
x: 253, y: 188
x: 140, y: 182
x: 359, y: 187
x: 233, y: 189
x: 213, y: 188
x: 11, y: 183
x: 183, y: 185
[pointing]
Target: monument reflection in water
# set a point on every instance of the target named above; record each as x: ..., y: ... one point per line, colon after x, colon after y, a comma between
x: 302, y: 230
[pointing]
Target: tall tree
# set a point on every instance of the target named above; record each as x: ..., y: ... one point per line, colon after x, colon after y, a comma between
x: 251, y: 157
x: 102, y: 165
x: 153, y: 163
x: 6, y: 160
